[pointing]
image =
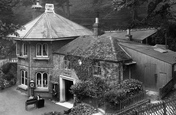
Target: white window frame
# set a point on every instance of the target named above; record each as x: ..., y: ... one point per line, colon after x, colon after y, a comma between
x: 42, y: 49
x: 97, y: 66
x: 42, y: 85
x: 24, y: 49
x: 66, y: 64
x: 24, y: 72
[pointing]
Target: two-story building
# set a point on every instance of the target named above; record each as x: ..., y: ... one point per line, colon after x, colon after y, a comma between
x: 35, y: 44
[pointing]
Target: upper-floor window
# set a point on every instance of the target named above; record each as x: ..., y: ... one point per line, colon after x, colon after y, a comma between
x: 67, y: 64
x: 42, y: 50
x: 97, y: 68
x: 42, y: 80
x: 24, y: 49
x: 23, y: 77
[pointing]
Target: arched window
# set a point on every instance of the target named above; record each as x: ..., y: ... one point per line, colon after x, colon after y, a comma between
x: 24, y: 49
x: 42, y: 80
x: 42, y: 50
x: 23, y: 77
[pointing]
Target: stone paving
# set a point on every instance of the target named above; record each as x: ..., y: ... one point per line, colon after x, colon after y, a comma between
x: 12, y: 102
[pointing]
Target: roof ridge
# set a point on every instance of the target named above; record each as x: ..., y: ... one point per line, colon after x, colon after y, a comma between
x: 49, y: 26
x: 33, y: 25
x: 112, y: 45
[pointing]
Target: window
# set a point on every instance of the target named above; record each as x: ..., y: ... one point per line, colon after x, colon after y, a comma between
x: 97, y: 68
x: 67, y: 64
x: 42, y: 50
x: 23, y: 77
x: 24, y: 50
x: 42, y: 80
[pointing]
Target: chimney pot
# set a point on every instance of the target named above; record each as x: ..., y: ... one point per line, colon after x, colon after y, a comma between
x: 128, y: 35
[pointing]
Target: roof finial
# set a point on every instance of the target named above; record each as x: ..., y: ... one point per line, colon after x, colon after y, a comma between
x: 37, y: 5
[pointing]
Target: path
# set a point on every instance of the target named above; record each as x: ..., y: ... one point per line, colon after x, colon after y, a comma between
x: 12, y: 103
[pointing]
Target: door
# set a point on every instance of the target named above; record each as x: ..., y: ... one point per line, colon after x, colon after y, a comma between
x: 150, y: 75
x: 162, y: 79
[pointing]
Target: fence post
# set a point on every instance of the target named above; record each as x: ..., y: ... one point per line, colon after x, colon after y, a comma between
x: 164, y: 108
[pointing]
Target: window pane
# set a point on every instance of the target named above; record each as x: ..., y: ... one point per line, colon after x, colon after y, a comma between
x: 38, y: 79
x: 44, y: 49
x: 26, y: 78
x: 25, y: 49
x: 22, y: 77
x: 39, y: 50
x: 45, y: 80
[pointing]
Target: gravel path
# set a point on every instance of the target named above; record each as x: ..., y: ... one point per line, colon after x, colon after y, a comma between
x: 12, y: 102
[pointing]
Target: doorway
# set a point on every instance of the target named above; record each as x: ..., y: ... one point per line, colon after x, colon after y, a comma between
x: 68, y: 94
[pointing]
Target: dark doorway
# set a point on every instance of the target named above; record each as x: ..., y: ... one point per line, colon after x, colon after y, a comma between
x: 68, y: 94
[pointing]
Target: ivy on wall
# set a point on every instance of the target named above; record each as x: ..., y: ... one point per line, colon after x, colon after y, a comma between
x: 83, y: 70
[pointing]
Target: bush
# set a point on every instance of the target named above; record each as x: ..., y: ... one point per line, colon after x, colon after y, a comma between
x: 82, y: 109
x: 8, y: 76
x: 79, y: 89
x: 114, y: 96
x: 132, y: 86
x: 95, y: 88
x: 6, y: 68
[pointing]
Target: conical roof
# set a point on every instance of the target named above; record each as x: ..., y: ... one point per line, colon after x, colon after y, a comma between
x: 50, y: 26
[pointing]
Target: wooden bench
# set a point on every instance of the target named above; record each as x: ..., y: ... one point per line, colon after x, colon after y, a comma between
x: 31, y: 102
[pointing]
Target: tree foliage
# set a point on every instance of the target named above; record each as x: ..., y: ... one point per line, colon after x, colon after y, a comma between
x: 6, y: 17
x: 160, y: 14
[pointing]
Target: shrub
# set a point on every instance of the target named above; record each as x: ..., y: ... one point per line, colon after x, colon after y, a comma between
x: 132, y: 86
x: 79, y: 89
x: 83, y: 109
x: 8, y: 76
x: 95, y: 88
x: 6, y: 68
x: 114, y: 96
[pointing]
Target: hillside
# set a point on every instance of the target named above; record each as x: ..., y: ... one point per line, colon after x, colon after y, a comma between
x: 84, y: 12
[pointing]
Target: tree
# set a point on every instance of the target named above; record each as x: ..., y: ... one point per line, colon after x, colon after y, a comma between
x: 160, y: 14
x: 6, y: 17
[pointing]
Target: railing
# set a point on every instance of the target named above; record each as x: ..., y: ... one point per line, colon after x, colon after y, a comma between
x: 131, y: 100
x: 5, y: 61
x: 163, y: 108
x: 125, y: 104
x: 166, y: 89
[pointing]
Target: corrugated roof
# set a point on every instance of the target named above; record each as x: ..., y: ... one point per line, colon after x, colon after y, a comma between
x: 102, y: 48
x: 168, y: 56
x: 139, y: 34
x: 51, y: 26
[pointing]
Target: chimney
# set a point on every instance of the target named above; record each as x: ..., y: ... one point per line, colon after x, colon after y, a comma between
x: 49, y: 8
x: 96, y: 25
x: 37, y: 9
x: 128, y: 35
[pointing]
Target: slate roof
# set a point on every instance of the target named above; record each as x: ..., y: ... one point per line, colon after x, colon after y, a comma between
x: 138, y: 34
x: 50, y: 26
x: 167, y: 56
x: 101, y: 48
